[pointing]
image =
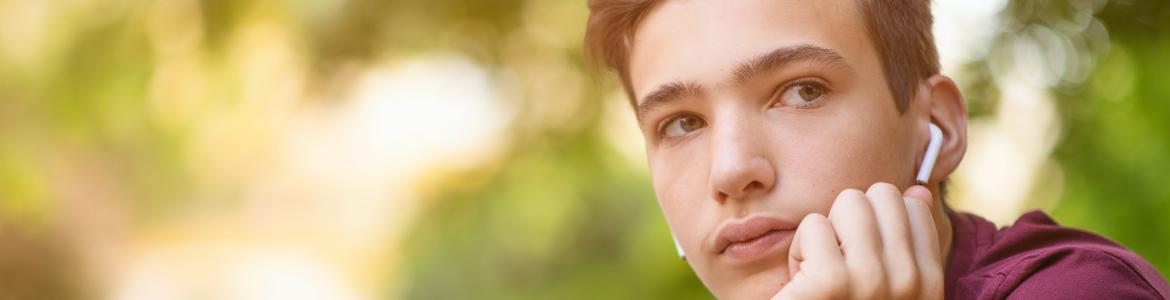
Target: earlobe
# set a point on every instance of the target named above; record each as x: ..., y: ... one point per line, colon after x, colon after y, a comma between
x: 948, y: 110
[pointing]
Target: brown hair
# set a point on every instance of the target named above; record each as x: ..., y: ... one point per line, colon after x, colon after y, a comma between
x: 900, y: 30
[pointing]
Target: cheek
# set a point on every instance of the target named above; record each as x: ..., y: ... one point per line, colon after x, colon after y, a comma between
x: 827, y: 164
x: 814, y: 175
x: 680, y: 185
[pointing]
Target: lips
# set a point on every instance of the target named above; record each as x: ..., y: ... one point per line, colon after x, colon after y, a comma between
x: 752, y: 237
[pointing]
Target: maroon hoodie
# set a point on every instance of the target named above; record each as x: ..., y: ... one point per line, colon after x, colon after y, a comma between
x: 1037, y: 259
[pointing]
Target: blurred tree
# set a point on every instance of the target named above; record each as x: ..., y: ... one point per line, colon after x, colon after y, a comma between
x: 563, y: 217
x: 1116, y: 150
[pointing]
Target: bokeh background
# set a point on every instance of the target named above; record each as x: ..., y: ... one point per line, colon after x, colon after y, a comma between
x: 458, y: 149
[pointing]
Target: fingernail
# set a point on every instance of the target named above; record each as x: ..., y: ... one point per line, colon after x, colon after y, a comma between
x: 921, y: 193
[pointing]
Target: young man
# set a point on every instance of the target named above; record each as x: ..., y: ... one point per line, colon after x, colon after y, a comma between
x: 784, y: 137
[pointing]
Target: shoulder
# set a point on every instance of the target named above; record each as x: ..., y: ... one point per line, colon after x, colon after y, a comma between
x: 1081, y: 273
x: 1037, y: 259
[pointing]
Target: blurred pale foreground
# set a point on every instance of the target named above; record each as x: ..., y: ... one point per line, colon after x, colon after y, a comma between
x: 150, y: 158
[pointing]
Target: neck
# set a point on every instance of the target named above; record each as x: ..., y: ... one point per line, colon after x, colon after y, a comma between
x: 942, y: 222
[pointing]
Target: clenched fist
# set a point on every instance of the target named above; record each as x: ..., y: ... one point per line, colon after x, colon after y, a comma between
x: 880, y: 244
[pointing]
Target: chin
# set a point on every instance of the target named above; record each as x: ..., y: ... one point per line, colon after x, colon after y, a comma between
x: 762, y: 284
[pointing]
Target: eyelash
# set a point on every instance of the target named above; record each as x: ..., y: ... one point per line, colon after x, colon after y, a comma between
x: 661, y: 131
x: 825, y: 91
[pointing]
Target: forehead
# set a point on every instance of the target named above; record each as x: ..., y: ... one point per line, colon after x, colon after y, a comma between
x: 703, y: 41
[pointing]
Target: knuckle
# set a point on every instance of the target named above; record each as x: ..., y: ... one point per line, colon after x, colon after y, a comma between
x: 814, y: 217
x: 883, y: 189
x: 851, y: 194
x: 849, y: 199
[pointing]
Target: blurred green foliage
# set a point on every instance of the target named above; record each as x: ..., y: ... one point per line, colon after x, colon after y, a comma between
x: 564, y: 218
x: 1116, y: 150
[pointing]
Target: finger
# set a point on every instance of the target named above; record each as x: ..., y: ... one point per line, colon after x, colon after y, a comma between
x: 897, y: 248
x: 923, y: 228
x: 853, y: 220
x: 927, y: 249
x: 815, y: 260
x: 815, y: 242
x: 921, y: 193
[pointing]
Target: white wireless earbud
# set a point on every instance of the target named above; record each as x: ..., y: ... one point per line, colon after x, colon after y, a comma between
x: 931, y: 156
x: 678, y: 247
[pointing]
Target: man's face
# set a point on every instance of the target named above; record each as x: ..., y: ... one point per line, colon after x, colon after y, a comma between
x: 756, y: 113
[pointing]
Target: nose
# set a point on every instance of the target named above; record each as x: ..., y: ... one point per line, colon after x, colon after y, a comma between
x: 740, y: 164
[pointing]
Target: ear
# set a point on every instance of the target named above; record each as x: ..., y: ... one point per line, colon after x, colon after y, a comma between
x: 948, y: 110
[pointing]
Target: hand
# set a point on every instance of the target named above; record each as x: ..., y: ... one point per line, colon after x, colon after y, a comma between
x: 880, y: 244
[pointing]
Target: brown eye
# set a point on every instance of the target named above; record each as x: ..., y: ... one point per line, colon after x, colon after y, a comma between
x: 682, y: 125
x: 810, y: 92
x: 801, y: 94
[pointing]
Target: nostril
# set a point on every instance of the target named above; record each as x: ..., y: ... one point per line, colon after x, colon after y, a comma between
x: 747, y: 189
x: 754, y: 185
x: 737, y: 178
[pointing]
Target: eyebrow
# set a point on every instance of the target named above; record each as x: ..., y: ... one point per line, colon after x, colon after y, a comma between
x: 782, y: 57
x: 772, y: 61
x: 667, y: 93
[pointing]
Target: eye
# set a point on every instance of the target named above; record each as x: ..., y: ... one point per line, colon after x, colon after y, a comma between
x: 681, y: 125
x: 802, y: 94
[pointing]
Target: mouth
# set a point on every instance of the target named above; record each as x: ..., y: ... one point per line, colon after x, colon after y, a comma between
x: 752, y: 238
